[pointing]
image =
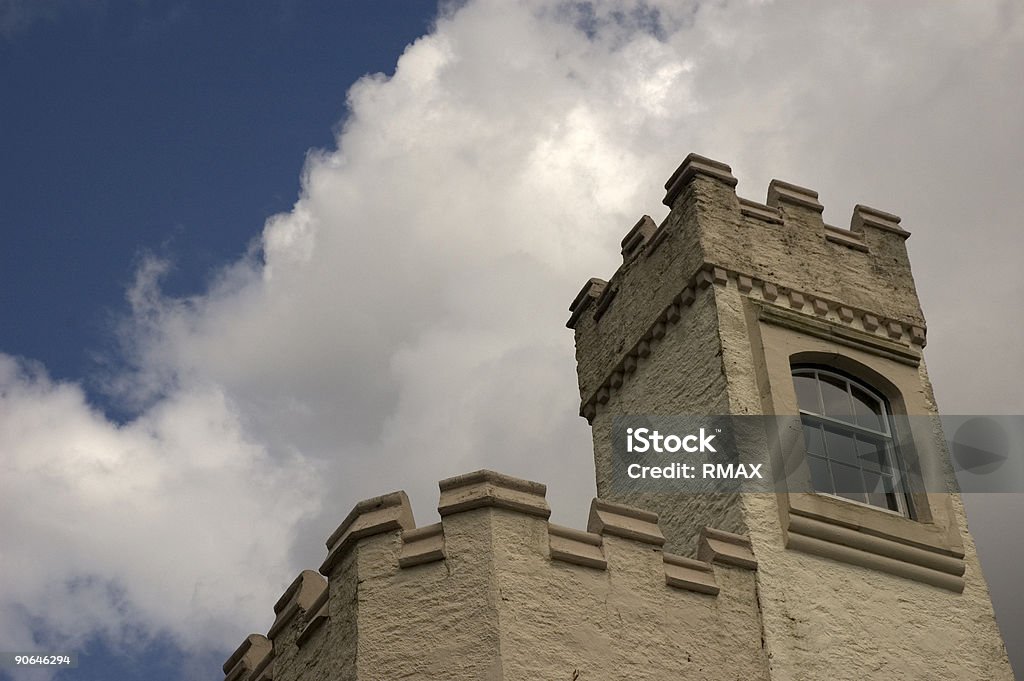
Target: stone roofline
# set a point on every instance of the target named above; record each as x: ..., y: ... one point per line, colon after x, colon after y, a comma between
x: 898, y: 340
x: 695, y: 248
x: 304, y: 605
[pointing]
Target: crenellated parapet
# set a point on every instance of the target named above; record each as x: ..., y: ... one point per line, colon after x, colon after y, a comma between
x: 449, y: 599
x: 249, y: 660
x: 718, y: 310
x: 853, y: 283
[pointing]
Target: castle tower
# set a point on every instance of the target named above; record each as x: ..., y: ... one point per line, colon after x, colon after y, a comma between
x: 728, y: 307
x: 736, y: 307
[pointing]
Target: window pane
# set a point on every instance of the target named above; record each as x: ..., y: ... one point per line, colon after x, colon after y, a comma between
x: 872, y: 453
x: 848, y: 482
x: 814, y: 440
x: 821, y: 479
x: 834, y: 397
x: 807, y: 392
x: 873, y: 486
x: 844, y: 455
x: 868, y: 410
x: 891, y: 491
x: 840, y: 446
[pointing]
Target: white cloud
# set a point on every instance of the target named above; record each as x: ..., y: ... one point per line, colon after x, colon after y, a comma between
x: 111, y: 529
x: 405, y: 321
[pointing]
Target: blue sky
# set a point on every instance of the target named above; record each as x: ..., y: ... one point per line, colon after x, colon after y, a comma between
x: 261, y: 260
x: 174, y: 128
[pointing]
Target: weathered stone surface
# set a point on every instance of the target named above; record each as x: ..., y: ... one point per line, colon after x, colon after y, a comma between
x: 514, y: 597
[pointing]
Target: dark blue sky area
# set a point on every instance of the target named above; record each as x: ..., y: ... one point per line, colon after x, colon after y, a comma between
x: 170, y: 127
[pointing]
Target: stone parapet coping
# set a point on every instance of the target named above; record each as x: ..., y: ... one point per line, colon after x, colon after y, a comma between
x: 693, y: 165
x: 576, y: 547
x: 422, y: 545
x: 247, y: 656
x: 590, y: 292
x: 624, y: 521
x: 486, y: 488
x: 760, y: 211
x: 381, y: 514
x: 690, y: 574
x: 717, y: 546
x: 844, y: 237
x: 298, y: 598
x: 316, y: 617
x: 865, y: 216
x: 264, y: 670
x: 780, y: 192
x: 635, y: 239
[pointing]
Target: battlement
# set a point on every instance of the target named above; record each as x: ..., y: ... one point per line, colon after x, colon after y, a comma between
x: 780, y: 253
x: 707, y: 314
x: 401, y: 600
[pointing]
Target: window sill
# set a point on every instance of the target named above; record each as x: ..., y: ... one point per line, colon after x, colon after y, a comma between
x: 873, y: 538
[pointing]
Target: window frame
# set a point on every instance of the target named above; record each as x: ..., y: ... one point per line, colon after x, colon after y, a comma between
x: 928, y: 548
x: 901, y: 486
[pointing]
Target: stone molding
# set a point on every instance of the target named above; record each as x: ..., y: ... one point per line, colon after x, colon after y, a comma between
x: 422, y: 545
x: 845, y: 237
x: 718, y: 546
x: 590, y: 292
x: 695, y: 164
x: 634, y: 240
x: 485, y: 488
x: 576, y: 547
x: 690, y: 574
x: 845, y: 333
x: 831, y: 540
x: 780, y: 192
x: 879, y: 219
x: 247, y: 657
x: 760, y: 211
x: 264, y: 670
x: 306, y: 601
x: 386, y: 513
x: 298, y: 598
x: 803, y: 311
x: 316, y: 617
x: 624, y: 521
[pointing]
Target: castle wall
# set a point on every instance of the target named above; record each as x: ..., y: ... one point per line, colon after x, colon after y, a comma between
x: 559, y: 620
x: 682, y: 374
x: 497, y: 592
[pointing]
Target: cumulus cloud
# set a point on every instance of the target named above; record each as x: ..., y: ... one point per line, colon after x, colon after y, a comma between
x: 404, y: 322
x: 113, y: 531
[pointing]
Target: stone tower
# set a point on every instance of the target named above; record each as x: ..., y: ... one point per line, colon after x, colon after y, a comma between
x: 731, y: 306
x: 728, y: 307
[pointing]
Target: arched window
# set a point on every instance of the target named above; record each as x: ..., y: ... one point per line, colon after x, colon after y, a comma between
x: 848, y: 435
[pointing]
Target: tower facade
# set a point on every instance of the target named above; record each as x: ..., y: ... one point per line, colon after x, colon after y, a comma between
x: 729, y: 307
x: 735, y: 307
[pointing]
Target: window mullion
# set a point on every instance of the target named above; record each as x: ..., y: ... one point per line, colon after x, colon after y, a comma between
x: 846, y: 425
